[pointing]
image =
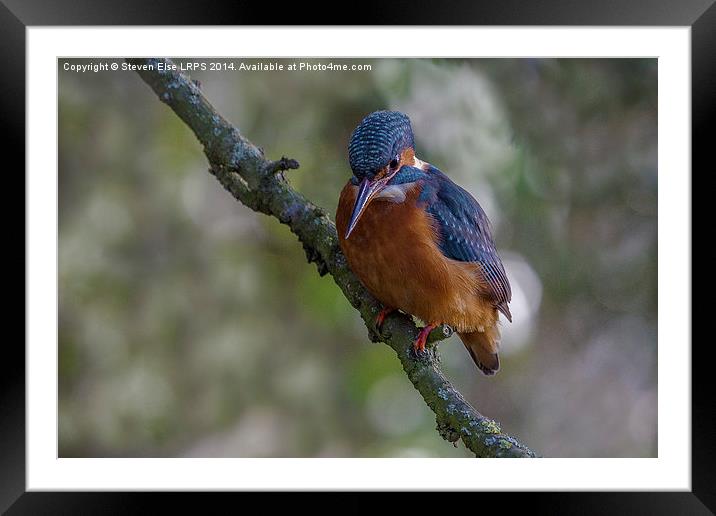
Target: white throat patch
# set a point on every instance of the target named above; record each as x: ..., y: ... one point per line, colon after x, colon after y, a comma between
x: 394, y: 193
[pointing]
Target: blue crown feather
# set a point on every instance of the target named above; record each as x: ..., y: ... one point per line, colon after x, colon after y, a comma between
x: 377, y: 139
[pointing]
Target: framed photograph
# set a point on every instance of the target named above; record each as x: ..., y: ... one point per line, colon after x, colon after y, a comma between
x: 345, y: 258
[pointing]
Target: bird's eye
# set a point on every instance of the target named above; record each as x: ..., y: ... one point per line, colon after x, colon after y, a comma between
x: 394, y: 162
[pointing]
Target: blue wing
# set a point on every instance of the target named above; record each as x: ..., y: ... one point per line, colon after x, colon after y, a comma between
x: 465, y: 234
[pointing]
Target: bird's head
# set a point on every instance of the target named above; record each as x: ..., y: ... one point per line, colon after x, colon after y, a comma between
x: 380, y: 145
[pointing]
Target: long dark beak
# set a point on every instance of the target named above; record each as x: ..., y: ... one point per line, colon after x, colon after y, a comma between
x: 366, y: 192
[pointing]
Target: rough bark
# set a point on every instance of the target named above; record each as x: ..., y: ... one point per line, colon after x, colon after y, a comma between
x: 243, y: 170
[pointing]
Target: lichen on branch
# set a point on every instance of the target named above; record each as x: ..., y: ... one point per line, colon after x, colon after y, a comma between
x: 259, y: 183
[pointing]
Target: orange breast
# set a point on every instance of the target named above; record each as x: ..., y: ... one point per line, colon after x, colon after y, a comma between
x: 394, y: 252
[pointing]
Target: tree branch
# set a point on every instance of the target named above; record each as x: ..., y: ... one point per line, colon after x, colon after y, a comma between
x: 258, y: 183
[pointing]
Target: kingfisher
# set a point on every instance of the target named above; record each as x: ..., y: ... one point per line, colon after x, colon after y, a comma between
x: 420, y: 243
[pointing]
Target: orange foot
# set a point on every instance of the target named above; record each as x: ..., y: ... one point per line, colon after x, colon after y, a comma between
x: 419, y: 344
x: 380, y: 318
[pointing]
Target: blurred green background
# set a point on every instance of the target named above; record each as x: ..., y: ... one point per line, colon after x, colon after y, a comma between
x: 191, y: 326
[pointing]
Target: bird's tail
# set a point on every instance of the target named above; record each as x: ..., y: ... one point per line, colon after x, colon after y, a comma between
x: 483, y: 346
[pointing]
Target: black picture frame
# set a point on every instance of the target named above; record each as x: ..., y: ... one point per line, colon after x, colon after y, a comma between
x: 17, y: 15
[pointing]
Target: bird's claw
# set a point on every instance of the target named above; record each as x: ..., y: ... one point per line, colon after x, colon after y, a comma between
x: 418, y: 354
x: 422, y: 340
x: 380, y: 318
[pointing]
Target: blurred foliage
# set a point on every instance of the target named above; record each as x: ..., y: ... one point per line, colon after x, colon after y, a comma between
x: 191, y: 326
